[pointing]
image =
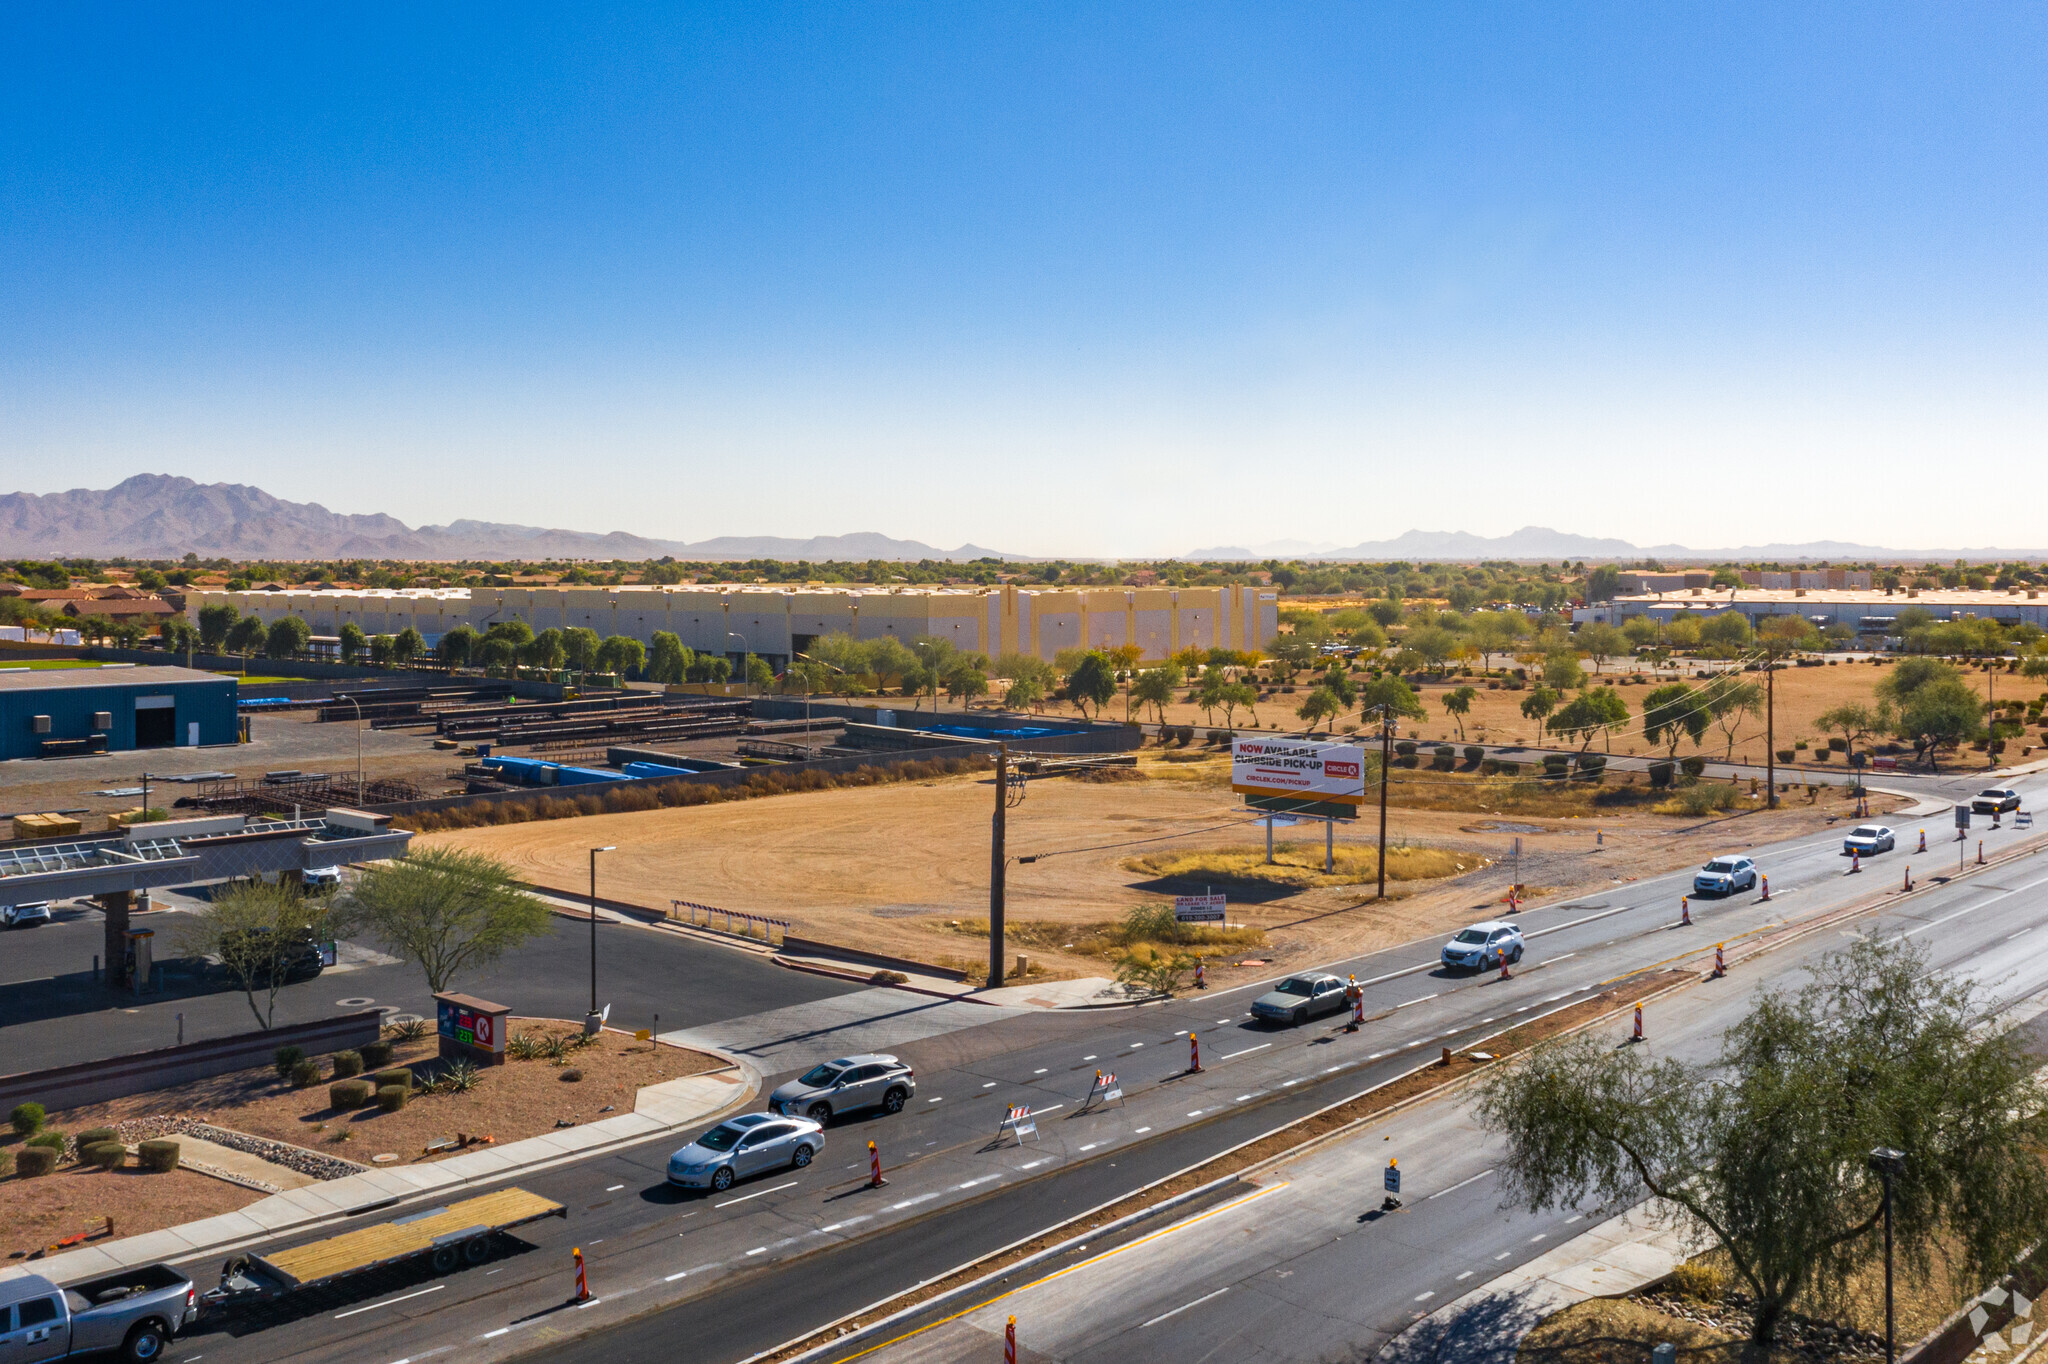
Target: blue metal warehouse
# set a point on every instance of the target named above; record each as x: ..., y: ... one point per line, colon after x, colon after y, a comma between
x: 59, y: 711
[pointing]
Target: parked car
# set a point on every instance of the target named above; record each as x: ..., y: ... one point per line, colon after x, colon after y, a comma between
x: 1483, y: 945
x: 1725, y: 876
x: 300, y: 960
x: 136, y: 1311
x: 870, y: 1080
x: 744, y: 1146
x: 1300, y: 998
x: 22, y: 915
x: 1867, y: 839
x: 320, y: 880
x: 1995, y: 801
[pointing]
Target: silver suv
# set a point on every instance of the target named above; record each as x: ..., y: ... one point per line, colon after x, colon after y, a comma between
x: 870, y: 1080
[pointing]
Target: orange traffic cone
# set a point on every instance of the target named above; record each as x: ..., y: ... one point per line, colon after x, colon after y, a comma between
x: 1767, y: 891
x: 1639, y: 1025
x: 582, y: 1284
x: 875, y: 1180
x: 1194, y: 1053
x: 1685, y: 911
x: 1923, y: 842
x: 1720, y: 970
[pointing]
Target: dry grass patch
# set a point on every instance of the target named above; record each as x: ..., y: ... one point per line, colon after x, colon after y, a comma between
x: 1301, y: 865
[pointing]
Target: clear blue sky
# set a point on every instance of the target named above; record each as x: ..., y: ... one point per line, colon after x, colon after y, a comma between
x: 1055, y: 279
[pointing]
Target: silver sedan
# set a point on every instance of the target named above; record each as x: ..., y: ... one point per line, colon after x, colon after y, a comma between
x: 744, y: 1146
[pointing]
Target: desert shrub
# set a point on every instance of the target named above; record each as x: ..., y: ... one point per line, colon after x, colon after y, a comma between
x: 888, y: 978
x: 93, y: 1136
x: 1660, y: 774
x: 344, y: 1095
x: 1443, y: 758
x: 1693, y: 767
x: 347, y: 1063
x: 50, y: 1139
x: 284, y: 1058
x: 400, y: 1076
x: 391, y: 1098
x: 1786, y: 755
x: 305, y: 1073
x: 408, y: 1029
x: 1593, y: 766
x: 1704, y: 799
x: 1700, y: 1282
x: 523, y: 1046
x: 158, y: 1157
x: 376, y: 1055
x: 1474, y: 753
x: 1407, y: 760
x: 459, y: 1078
x: 35, y: 1161
x: 108, y: 1155
x: 1554, y: 765
x: 572, y: 1075
x: 1405, y: 747
x: 26, y: 1118
x: 1838, y: 745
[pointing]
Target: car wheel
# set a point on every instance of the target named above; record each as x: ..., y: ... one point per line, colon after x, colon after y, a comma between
x: 893, y: 1101
x: 819, y: 1113
x: 801, y: 1158
x: 721, y: 1178
x: 1299, y: 1017
x: 476, y: 1249
x: 1518, y: 953
x: 144, y: 1343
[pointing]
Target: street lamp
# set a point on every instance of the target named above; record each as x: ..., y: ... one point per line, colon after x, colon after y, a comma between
x: 344, y: 696
x: 1889, y: 1165
x: 591, y: 1023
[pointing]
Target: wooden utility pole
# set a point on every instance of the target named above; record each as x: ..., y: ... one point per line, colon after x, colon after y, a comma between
x: 997, y: 860
x: 1770, y: 732
x: 1386, y: 755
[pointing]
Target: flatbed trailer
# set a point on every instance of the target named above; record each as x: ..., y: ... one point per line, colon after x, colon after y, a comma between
x: 453, y: 1235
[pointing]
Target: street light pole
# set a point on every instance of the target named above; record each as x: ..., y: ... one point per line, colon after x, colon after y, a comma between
x: 1888, y: 1164
x: 344, y: 696
x: 590, y: 1023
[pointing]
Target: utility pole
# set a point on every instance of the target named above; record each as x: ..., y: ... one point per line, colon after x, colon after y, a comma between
x: 1991, y: 711
x: 997, y: 860
x: 590, y: 1023
x: 1386, y: 761
x: 1770, y: 732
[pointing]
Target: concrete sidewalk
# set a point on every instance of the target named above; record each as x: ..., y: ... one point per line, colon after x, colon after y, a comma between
x: 1487, y: 1325
x: 658, y: 1108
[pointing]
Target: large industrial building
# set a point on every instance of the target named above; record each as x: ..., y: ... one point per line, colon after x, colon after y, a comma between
x: 1867, y: 612
x: 774, y: 622
x: 65, y: 711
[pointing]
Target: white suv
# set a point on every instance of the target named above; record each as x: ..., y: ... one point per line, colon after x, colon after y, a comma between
x: 1483, y: 945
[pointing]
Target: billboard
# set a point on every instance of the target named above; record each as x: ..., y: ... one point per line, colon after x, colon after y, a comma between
x: 1330, y: 773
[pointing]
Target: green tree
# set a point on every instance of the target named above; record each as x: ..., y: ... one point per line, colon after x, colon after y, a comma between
x: 547, y: 651
x: 1320, y: 704
x: 1155, y: 688
x: 1765, y: 1148
x: 622, y: 654
x: 1391, y: 694
x: 1725, y: 633
x: 1909, y: 675
x: 1459, y: 703
x: 1093, y: 682
x: 498, y: 655
x: 1340, y: 684
x: 381, y: 654
x: 965, y: 679
x: 580, y: 645
x: 246, y: 636
x: 1495, y: 632
x: 1538, y: 704
x: 1941, y: 715
x: 256, y: 931
x: 1639, y: 631
x: 1561, y: 670
x: 1602, y: 642
x: 1854, y: 720
x: 354, y: 643
x: 517, y: 633
x: 759, y: 674
x: 459, y: 646
x: 215, y: 620
x: 407, y: 645
x: 1592, y: 712
x: 1431, y: 643
x: 287, y: 637
x: 1240, y: 694
x: 888, y: 660
x: 448, y: 910
x: 668, y: 660
x: 1730, y: 703
x: 179, y: 636
x: 1673, y: 712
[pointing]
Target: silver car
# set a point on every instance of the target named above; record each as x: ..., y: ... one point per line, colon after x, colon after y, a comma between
x: 744, y: 1146
x: 22, y: 915
x: 1866, y: 839
x: 1300, y: 998
x: 870, y: 1080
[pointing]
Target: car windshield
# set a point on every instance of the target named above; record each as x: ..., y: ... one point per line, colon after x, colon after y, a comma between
x: 1471, y: 935
x: 1720, y: 864
x: 817, y: 1077
x: 1295, y: 985
x: 1995, y: 795
x: 720, y: 1138
x: 1867, y: 831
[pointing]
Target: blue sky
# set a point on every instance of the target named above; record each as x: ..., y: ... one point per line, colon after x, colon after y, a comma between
x: 1087, y: 280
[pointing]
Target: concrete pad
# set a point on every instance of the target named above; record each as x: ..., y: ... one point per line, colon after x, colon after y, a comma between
x: 1088, y: 992
x: 866, y: 1020
x: 207, y: 1157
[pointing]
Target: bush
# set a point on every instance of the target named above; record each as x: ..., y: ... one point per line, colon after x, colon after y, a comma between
x: 1700, y: 1282
x: 158, y: 1157
x: 347, y: 1063
x: 344, y: 1095
x: 572, y: 1075
x: 1444, y: 758
x: 35, y: 1161
x: 1554, y: 765
x: 1786, y: 755
x: 399, y: 1075
x: 50, y: 1139
x: 305, y: 1073
x: 1693, y: 767
x: 27, y: 1118
x: 1838, y: 745
x: 1405, y: 747
x: 409, y: 1030
x: 375, y: 1054
x: 108, y: 1155
x: 1407, y: 760
x: 285, y: 1058
x: 391, y: 1098
x: 1704, y: 799
x: 93, y: 1136
x: 1660, y: 774
x: 1474, y: 753
x: 1593, y: 766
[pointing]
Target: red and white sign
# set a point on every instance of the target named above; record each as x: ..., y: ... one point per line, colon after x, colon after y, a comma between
x: 1298, y: 767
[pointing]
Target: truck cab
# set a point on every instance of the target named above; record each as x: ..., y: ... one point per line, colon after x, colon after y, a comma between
x: 136, y: 1312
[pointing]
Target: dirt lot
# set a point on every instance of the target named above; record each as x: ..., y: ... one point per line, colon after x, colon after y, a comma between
x: 35, y: 1213
x: 890, y: 868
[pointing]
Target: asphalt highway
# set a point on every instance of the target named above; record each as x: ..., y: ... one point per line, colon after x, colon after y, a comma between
x: 721, y: 1277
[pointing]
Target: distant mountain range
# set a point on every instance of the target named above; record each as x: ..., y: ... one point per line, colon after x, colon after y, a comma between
x: 158, y: 516
x: 1541, y: 543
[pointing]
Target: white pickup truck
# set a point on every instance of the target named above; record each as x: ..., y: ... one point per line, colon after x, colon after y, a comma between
x: 136, y: 1312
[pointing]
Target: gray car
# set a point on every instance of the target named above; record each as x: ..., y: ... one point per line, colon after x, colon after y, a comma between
x: 869, y: 1080
x: 744, y: 1146
x: 1300, y: 998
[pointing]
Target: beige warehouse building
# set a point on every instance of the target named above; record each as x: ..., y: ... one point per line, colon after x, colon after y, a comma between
x: 774, y: 622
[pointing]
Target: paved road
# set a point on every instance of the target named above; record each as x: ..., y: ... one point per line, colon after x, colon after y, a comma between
x: 1300, y: 1265
x: 742, y: 1271
x: 53, y: 1013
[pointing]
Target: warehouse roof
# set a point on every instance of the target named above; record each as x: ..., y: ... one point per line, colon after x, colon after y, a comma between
x: 1979, y: 599
x: 44, y: 679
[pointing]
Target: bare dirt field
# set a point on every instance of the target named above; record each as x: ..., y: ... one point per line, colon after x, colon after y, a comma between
x: 904, y: 868
x: 35, y: 1213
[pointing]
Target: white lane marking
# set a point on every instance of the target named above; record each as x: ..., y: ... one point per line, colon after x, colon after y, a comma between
x: 1460, y: 1184
x: 1246, y: 1052
x: 388, y: 1301
x: 756, y: 1194
x: 990, y: 1085
x: 1406, y: 1002
x: 1139, y: 1132
x: 1241, y: 1098
x: 1285, y: 1083
x: 847, y: 1223
x: 941, y: 1099
x: 1375, y: 1056
x: 1136, y: 1045
x: 1416, y: 1043
x: 678, y: 1275
x: 1220, y: 1020
x: 2021, y: 934
x: 579, y: 1307
x: 758, y: 1250
x: 1575, y: 1217
x: 1194, y: 1112
x: 1091, y: 1058
x: 1972, y: 909
x: 1566, y: 957
x: 614, y: 1188
x: 1031, y: 1164
x: 1503, y: 1255
x: 1466, y: 1275
x: 1538, y: 1237
x: 1091, y: 1146
x: 1426, y: 1295
x: 1182, y: 1033
x: 1484, y: 1021
x: 502, y: 1330
x: 1184, y: 1307
x: 1039, y: 1071
x: 972, y: 1182
x: 912, y: 1202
